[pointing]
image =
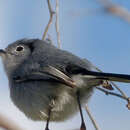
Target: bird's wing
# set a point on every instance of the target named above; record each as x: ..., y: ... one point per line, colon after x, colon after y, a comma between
x: 45, y: 74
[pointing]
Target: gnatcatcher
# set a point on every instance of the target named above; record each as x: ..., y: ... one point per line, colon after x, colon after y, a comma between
x: 50, y: 84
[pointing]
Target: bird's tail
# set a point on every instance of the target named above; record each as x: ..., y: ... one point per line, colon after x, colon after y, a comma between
x: 109, y: 76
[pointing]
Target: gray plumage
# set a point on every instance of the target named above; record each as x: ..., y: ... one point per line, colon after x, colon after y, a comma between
x: 34, y: 91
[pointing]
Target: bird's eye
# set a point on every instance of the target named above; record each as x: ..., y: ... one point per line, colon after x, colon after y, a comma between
x: 19, y: 48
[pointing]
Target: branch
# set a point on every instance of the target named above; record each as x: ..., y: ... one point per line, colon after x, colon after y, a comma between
x: 8, y: 124
x: 116, y: 10
x: 50, y: 20
x: 112, y: 93
x: 123, y: 94
x: 91, y: 118
x: 117, y: 95
x: 57, y: 24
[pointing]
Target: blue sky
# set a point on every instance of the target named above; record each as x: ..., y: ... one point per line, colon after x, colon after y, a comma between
x: 101, y: 38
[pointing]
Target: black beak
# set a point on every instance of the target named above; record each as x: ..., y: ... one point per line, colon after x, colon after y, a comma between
x: 2, y: 52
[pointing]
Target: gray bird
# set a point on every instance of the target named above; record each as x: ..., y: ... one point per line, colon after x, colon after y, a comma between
x: 50, y: 84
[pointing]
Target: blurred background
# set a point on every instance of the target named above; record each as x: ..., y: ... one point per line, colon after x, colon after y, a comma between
x: 88, y: 31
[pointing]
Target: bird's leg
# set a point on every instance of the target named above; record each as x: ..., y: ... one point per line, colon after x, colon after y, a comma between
x: 83, y: 127
x: 51, y: 105
x: 48, y: 119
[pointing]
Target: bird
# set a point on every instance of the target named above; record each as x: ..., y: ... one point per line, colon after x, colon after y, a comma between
x: 50, y: 84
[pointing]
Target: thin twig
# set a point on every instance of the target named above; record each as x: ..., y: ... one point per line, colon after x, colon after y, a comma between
x: 57, y: 24
x: 117, y: 95
x: 50, y: 20
x: 112, y: 93
x: 91, y: 118
x: 123, y: 94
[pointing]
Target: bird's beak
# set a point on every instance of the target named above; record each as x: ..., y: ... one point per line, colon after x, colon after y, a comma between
x: 2, y: 52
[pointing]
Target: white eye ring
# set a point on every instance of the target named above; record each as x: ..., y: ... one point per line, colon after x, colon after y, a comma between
x: 19, y: 48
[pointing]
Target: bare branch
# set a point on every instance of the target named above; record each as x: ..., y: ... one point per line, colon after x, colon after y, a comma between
x: 117, y: 95
x: 8, y: 124
x: 91, y: 118
x: 116, y: 10
x: 112, y: 93
x: 123, y: 94
x: 57, y: 24
x: 50, y: 20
